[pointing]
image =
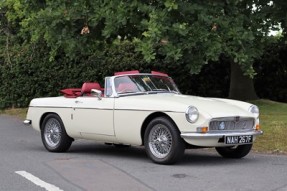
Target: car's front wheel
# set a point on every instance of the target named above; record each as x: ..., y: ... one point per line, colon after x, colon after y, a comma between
x: 53, y: 134
x: 162, y: 141
x: 239, y: 151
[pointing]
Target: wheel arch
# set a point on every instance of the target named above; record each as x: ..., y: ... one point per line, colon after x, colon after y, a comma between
x: 62, y: 142
x: 44, y: 116
x: 152, y: 116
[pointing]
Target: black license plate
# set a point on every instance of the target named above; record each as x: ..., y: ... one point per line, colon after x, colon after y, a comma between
x: 243, y: 139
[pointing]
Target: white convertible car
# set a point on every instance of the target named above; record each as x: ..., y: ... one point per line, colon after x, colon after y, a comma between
x: 145, y: 109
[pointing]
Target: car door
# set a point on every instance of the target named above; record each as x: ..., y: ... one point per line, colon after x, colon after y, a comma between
x: 93, y: 117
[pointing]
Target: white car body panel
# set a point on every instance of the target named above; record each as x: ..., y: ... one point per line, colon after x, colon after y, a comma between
x: 120, y: 119
x: 93, y: 116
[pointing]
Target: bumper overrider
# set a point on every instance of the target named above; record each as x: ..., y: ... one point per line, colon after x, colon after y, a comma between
x: 211, y: 139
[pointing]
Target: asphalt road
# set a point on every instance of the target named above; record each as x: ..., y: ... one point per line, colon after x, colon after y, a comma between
x: 26, y: 165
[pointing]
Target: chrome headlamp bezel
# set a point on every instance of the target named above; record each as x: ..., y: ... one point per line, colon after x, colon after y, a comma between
x: 191, y: 114
x: 254, y: 109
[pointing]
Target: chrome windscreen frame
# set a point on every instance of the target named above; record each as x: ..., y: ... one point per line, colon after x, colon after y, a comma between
x: 110, y: 89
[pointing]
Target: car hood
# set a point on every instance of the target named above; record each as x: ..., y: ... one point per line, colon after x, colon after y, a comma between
x: 166, y: 102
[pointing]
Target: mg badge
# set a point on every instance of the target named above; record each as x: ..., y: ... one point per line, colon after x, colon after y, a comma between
x: 222, y: 126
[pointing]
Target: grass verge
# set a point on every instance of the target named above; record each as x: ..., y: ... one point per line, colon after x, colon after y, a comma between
x: 273, y: 121
x: 17, y: 112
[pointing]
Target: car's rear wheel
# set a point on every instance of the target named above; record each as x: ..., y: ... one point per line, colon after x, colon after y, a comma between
x: 162, y: 141
x: 239, y: 151
x: 53, y: 134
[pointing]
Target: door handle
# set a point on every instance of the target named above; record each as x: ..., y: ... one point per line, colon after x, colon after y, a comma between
x: 78, y: 101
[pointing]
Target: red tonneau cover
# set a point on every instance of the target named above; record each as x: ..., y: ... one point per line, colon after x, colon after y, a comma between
x: 86, y: 89
x: 71, y: 92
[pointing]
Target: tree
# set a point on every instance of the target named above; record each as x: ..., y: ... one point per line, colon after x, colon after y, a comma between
x: 205, y: 30
x: 278, y: 17
x: 186, y: 33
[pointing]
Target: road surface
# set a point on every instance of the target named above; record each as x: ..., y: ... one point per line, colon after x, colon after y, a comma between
x: 26, y: 165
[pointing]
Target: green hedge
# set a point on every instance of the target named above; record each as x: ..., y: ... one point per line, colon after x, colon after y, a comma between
x: 33, y: 75
x: 271, y: 79
x: 30, y: 73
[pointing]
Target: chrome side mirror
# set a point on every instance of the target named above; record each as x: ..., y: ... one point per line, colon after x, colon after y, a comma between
x: 97, y: 93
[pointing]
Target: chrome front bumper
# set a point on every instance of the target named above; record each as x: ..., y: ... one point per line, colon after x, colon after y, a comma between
x: 216, y: 139
x: 219, y: 135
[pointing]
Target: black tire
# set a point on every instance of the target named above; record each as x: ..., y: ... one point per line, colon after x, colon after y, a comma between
x: 239, y: 151
x: 53, y: 134
x: 167, y: 147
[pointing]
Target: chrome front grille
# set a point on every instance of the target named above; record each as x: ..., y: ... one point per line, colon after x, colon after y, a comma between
x: 231, y: 124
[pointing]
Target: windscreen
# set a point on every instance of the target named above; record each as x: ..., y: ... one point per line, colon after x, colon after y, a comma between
x: 145, y: 84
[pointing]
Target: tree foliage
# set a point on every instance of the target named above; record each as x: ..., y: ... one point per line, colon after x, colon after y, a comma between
x: 278, y: 17
x: 181, y: 36
x: 270, y: 82
x: 180, y: 31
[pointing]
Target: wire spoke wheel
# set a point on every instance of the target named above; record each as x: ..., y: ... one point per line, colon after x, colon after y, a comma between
x: 52, y: 132
x: 160, y: 141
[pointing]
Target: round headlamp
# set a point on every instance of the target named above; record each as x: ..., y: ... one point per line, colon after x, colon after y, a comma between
x: 254, y: 109
x: 191, y: 114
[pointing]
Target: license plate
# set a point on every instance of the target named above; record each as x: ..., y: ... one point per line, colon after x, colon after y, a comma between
x: 243, y: 139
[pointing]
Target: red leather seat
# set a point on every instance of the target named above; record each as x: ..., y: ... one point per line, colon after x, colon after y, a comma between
x: 88, y: 86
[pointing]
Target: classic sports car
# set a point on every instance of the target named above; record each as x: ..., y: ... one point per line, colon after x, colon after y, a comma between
x: 145, y: 109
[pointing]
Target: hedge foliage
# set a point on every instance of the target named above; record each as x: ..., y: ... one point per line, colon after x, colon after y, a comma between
x: 271, y: 79
x: 30, y: 74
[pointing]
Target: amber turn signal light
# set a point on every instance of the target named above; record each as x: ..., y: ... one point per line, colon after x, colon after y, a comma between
x: 202, y: 129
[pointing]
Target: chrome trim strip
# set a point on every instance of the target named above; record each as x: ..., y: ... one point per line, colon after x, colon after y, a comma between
x: 51, y: 107
x: 70, y: 107
x: 75, y: 108
x: 218, y: 135
x: 27, y: 122
x: 166, y: 111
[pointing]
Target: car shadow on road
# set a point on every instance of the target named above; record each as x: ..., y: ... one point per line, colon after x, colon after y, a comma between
x: 103, y: 150
x: 191, y: 157
x: 210, y: 157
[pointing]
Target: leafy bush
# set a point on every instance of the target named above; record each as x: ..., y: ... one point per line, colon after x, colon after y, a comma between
x: 33, y: 75
x: 30, y: 73
x: 270, y: 82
